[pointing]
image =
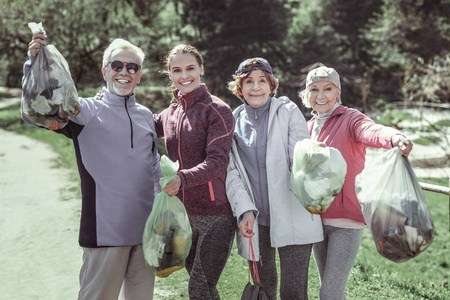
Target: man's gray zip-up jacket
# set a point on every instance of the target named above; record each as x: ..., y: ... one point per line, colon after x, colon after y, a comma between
x: 116, y: 149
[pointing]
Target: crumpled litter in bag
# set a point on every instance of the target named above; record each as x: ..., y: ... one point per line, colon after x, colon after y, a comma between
x: 167, y: 236
x: 317, y: 176
x: 50, y: 98
x: 394, y: 207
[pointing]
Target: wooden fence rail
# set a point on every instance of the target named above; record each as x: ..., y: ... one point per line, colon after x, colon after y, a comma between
x: 438, y: 189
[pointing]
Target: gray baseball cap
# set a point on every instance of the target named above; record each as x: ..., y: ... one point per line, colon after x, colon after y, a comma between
x: 258, y: 64
x: 323, y: 74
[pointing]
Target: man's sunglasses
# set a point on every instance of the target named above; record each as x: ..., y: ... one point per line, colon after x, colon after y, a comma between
x: 117, y: 66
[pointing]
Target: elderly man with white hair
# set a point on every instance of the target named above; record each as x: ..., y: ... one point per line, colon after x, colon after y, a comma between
x: 116, y: 150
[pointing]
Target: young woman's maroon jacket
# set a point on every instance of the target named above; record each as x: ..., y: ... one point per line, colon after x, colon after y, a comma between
x: 198, y: 131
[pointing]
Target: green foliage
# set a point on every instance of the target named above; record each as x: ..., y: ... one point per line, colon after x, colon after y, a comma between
x: 428, y: 82
x: 394, y: 118
x: 403, y: 33
x: 227, y: 32
x: 427, y: 140
x: 89, y: 91
x: 10, y: 118
x: 390, y: 106
x: 437, y: 127
x: 442, y: 123
x: 155, y: 98
x: 412, y: 27
x: 80, y: 29
x: 383, y: 105
x: 393, y: 50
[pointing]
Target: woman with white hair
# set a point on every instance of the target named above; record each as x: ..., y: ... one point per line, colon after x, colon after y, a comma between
x: 351, y: 132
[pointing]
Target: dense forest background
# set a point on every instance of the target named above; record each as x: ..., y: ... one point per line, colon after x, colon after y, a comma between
x: 386, y: 51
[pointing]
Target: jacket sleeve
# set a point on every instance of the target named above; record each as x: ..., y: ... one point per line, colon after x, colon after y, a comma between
x: 366, y: 131
x: 159, y: 128
x: 239, y: 196
x: 218, y: 143
x: 298, y: 130
x: 157, y: 172
x: 237, y: 191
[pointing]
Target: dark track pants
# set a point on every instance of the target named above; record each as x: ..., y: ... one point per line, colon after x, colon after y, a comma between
x: 212, y: 240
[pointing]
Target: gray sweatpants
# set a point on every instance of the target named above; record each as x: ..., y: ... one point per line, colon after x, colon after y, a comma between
x: 294, y: 266
x: 212, y: 239
x: 334, y: 259
x: 108, y: 269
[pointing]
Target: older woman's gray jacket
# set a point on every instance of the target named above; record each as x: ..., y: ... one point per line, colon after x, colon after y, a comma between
x: 291, y: 223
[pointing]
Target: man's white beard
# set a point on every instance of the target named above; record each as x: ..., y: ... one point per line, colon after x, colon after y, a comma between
x: 121, y: 91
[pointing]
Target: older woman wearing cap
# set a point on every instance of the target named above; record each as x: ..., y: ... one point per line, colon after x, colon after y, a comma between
x: 258, y: 182
x: 351, y: 132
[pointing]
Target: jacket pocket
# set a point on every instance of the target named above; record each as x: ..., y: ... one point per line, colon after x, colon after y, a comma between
x: 217, y: 192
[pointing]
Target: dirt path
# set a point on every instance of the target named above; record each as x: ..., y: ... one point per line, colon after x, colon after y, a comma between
x: 39, y: 252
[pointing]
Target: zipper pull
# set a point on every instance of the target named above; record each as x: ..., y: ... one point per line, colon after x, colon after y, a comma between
x: 256, y: 116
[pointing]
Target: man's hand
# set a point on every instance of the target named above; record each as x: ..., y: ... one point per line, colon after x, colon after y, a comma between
x: 173, y: 187
x: 35, y: 45
x: 246, y: 224
x: 98, y: 96
x: 403, y: 143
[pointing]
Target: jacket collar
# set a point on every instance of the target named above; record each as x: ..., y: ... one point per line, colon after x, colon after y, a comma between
x: 256, y: 113
x: 116, y: 100
x: 275, y: 104
x: 339, y: 110
x: 194, y: 96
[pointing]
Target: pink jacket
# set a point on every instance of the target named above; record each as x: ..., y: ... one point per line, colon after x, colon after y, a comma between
x: 351, y: 132
x: 198, y: 132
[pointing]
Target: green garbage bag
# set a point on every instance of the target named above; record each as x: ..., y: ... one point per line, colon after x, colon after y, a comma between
x: 167, y: 236
x: 317, y: 175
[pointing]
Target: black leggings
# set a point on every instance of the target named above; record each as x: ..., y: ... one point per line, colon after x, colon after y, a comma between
x: 212, y: 240
x: 294, y: 267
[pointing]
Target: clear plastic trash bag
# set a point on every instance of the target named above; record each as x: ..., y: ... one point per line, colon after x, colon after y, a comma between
x: 50, y: 98
x: 317, y: 176
x: 167, y: 236
x: 394, y: 206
